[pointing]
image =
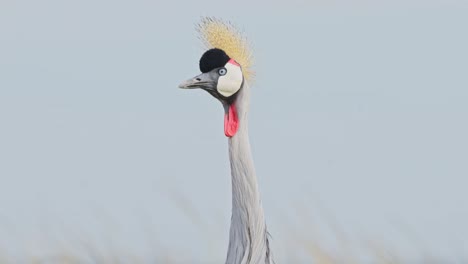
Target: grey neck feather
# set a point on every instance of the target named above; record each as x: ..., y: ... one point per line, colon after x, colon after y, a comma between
x: 248, y: 238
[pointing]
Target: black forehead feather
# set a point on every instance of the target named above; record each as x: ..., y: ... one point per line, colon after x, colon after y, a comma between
x: 212, y: 59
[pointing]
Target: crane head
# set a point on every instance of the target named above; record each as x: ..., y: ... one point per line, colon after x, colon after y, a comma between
x: 221, y: 76
x: 225, y: 66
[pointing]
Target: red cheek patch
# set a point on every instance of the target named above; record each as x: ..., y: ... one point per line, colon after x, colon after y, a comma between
x: 233, y: 62
x: 231, y: 122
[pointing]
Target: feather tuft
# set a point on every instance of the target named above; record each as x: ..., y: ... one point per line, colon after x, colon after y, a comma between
x: 216, y: 33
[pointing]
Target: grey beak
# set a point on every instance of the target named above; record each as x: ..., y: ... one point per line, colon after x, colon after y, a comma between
x: 189, y: 84
x: 200, y: 81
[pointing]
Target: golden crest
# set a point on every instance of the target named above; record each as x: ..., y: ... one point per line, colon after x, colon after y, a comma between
x: 215, y: 33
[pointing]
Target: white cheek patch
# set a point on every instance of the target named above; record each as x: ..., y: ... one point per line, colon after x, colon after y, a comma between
x: 230, y: 83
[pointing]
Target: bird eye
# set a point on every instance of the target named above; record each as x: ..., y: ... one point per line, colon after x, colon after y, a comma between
x: 222, y: 71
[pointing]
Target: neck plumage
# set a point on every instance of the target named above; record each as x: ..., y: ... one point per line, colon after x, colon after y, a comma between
x: 248, y: 238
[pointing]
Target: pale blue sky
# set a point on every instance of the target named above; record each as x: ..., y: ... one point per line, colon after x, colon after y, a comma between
x: 358, y: 116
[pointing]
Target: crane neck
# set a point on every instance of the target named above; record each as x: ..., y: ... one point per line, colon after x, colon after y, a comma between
x: 248, y: 238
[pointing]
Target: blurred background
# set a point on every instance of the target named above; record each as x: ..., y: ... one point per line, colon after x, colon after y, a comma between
x: 358, y: 127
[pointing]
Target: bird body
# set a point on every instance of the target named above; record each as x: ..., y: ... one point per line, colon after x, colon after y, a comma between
x: 226, y: 71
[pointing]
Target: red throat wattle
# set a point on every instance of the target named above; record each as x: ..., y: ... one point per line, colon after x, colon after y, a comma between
x: 231, y: 122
